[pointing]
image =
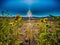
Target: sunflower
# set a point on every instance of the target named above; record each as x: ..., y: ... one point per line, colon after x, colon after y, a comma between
x: 45, y: 19
x: 18, y: 18
x: 11, y: 23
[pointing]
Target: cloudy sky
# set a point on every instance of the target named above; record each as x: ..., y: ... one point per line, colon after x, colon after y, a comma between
x: 37, y: 7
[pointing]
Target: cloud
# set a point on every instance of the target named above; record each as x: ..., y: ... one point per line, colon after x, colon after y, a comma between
x: 40, y: 7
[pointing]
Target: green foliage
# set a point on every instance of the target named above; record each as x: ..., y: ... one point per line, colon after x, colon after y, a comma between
x: 49, y: 33
x: 46, y: 37
x: 8, y: 33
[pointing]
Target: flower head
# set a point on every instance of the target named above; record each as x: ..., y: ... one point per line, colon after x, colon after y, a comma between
x: 11, y: 23
x: 18, y: 18
x: 45, y: 19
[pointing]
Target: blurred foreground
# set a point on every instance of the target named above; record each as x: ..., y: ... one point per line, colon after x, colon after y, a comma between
x: 39, y: 31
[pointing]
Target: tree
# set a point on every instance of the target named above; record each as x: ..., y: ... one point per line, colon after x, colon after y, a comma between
x: 7, y: 12
x: 2, y: 13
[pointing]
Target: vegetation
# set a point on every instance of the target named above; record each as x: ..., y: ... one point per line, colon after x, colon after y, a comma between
x: 47, y: 31
x: 9, y: 31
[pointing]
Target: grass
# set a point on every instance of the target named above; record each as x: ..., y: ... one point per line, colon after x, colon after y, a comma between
x: 46, y: 33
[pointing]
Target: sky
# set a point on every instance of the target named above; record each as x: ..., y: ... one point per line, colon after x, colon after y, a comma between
x: 38, y: 7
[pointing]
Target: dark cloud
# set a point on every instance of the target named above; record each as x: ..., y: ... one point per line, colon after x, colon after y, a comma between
x: 41, y: 7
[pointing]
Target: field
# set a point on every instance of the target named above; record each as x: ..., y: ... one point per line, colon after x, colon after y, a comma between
x: 36, y: 31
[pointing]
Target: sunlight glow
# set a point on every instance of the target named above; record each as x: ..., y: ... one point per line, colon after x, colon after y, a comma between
x: 30, y: 2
